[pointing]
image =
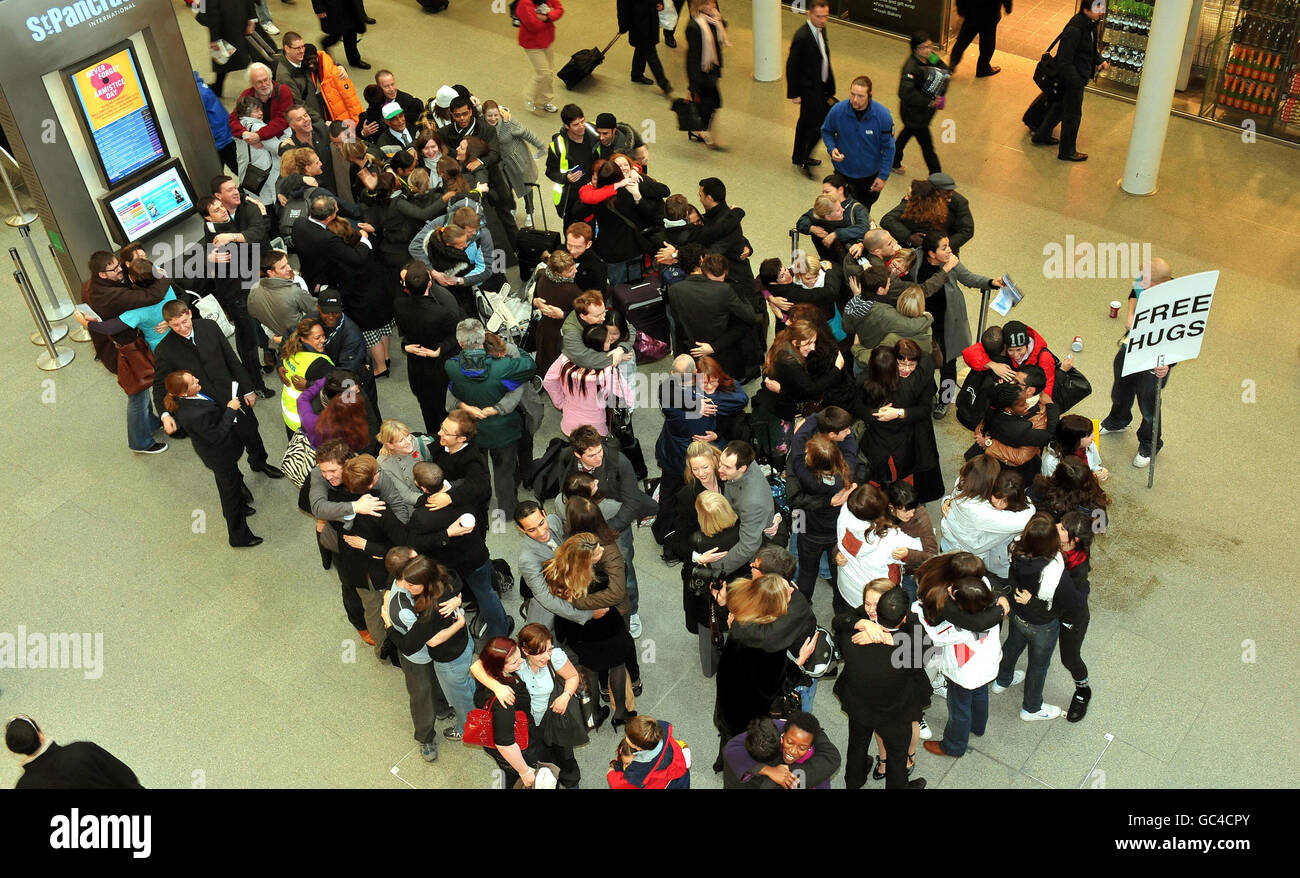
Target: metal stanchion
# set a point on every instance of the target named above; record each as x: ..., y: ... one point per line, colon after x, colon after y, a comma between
x: 57, y: 333
x: 79, y: 332
x: 55, y: 310
x: 52, y: 358
x: 20, y: 217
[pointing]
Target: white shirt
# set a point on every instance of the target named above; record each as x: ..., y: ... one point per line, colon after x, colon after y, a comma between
x: 866, y: 556
x: 821, y: 44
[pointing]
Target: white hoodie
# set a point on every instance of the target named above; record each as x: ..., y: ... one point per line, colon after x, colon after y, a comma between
x: 866, y: 557
x: 976, y: 526
x: 969, y: 659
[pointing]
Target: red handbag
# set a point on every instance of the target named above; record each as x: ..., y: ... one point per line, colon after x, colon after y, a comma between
x: 135, y: 367
x: 478, y: 727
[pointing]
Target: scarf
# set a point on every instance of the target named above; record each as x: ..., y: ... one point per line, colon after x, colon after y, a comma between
x: 709, y: 59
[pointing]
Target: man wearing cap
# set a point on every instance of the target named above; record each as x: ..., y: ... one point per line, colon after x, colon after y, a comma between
x: 961, y: 225
x: 372, y: 121
x: 1023, y: 345
x: 916, y: 105
x: 616, y: 136
x: 396, y: 136
x: 344, y: 344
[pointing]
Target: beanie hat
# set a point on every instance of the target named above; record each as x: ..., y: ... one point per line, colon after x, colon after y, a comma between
x: 1015, y: 334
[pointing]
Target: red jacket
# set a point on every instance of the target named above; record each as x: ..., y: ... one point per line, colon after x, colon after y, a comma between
x: 977, y: 358
x: 276, y: 124
x: 536, y: 32
x: 667, y: 772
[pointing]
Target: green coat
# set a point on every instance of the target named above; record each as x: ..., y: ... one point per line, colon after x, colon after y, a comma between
x: 480, y: 380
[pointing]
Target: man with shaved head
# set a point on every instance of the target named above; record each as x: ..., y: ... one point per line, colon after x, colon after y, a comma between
x: 1141, y: 385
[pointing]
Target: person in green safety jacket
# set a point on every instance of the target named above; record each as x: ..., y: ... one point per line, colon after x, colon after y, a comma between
x: 569, y: 160
x: 302, y: 363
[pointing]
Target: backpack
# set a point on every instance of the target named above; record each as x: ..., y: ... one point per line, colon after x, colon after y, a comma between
x: 973, y: 398
x: 292, y: 209
x: 548, y: 470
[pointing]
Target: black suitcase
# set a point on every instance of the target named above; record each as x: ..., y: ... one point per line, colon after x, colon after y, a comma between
x: 1036, y: 113
x: 582, y: 63
x: 532, y: 243
x: 642, y: 303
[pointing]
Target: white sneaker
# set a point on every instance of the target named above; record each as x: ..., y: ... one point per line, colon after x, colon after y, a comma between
x: 270, y: 28
x: 1104, y: 430
x: 1017, y: 677
x: 1047, y: 711
x: 925, y: 733
x: 1141, y: 461
x: 551, y: 108
x: 941, y: 692
x: 634, y: 625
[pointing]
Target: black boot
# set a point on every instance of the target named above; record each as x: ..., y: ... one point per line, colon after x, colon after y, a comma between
x: 1079, y: 704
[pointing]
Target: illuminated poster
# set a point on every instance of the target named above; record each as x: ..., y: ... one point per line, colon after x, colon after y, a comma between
x: 118, y: 115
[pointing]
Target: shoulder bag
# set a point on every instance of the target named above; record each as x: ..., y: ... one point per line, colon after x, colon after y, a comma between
x: 1046, y: 74
x: 254, y: 177
x: 478, y: 727
x: 568, y: 729
x: 135, y: 370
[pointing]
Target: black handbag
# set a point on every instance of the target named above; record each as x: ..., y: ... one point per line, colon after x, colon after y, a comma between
x: 1046, y: 74
x: 688, y: 115
x: 1071, y: 388
x: 568, y: 729
x: 620, y: 427
x: 254, y: 177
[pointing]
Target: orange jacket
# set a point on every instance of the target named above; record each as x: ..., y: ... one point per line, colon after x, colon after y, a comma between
x: 338, y: 95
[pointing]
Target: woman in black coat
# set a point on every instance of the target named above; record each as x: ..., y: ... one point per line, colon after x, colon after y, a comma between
x: 704, y: 63
x: 232, y: 21
x: 426, y: 316
x: 639, y: 19
x: 767, y: 617
x: 212, y: 431
x: 899, y: 441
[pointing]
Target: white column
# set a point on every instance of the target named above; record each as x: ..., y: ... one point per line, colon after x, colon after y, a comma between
x: 1155, y: 96
x: 767, y: 40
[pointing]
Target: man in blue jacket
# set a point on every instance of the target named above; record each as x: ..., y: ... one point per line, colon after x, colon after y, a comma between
x: 859, y: 135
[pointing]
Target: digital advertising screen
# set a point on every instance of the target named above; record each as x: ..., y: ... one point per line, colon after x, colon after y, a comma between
x: 144, y: 208
x: 118, y: 115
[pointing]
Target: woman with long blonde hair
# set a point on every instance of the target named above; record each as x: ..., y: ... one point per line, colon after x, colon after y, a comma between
x: 708, y: 522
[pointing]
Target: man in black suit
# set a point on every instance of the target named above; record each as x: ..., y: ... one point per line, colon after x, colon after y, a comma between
x: 372, y: 120
x: 810, y: 83
x: 342, y: 20
x: 426, y: 317
x: 213, y: 431
x: 198, y: 347
x: 879, y: 685
x: 323, y: 254
x: 979, y: 17
x: 710, y: 318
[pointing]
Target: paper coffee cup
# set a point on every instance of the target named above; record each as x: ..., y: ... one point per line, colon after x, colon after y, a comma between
x: 1114, y: 308
x: 466, y: 520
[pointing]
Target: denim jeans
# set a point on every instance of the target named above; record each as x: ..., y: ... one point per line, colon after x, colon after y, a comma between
x: 489, y: 602
x: 1041, y: 640
x: 141, y: 422
x: 263, y: 13
x: 624, y: 272
x: 812, y: 548
x: 909, y: 585
x: 627, y: 546
x: 823, y: 570
x: 806, y: 694
x: 456, y: 683
x: 968, y: 713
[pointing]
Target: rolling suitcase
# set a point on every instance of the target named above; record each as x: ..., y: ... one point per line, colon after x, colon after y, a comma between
x: 262, y: 47
x: 1036, y: 113
x: 582, y: 63
x: 642, y: 303
x: 534, y: 242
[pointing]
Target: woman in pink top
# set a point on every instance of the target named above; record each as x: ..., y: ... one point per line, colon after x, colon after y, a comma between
x: 583, y: 395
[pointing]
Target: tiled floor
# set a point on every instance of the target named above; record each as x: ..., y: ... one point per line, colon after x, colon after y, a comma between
x: 235, y: 669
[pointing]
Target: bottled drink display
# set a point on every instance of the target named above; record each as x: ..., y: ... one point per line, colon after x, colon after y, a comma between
x: 1124, y: 40
x: 1260, y: 75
